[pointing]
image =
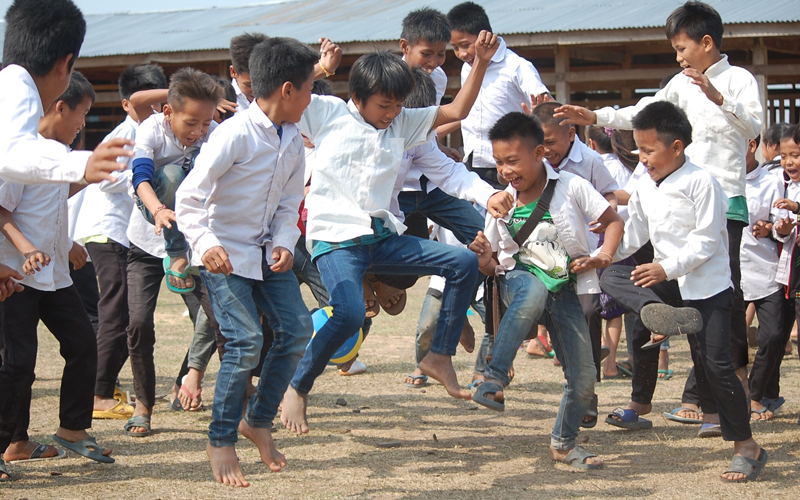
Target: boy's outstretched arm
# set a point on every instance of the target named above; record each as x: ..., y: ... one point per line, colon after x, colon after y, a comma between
x: 330, y: 57
x: 35, y: 259
x: 604, y: 257
x: 487, y: 262
x: 148, y: 102
x: 485, y: 48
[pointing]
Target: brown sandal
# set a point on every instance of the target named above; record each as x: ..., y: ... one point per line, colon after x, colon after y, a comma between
x: 385, y: 293
x: 369, y: 296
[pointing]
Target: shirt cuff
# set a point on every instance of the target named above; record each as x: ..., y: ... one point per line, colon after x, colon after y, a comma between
x: 206, y: 242
x: 670, y: 266
x: 604, y: 116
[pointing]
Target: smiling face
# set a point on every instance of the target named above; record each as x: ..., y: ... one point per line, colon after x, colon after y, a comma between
x: 463, y: 45
x: 659, y: 158
x: 519, y: 162
x: 557, y: 142
x: 692, y: 54
x: 790, y: 159
x: 69, y: 122
x: 425, y: 55
x: 379, y: 109
x: 191, y: 122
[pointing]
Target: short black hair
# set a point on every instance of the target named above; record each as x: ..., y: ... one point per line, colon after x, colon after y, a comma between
x: 322, y: 87
x: 144, y: 77
x: 424, y: 93
x: 241, y: 49
x: 380, y: 72
x: 775, y: 132
x: 668, y: 120
x: 468, y: 17
x: 517, y: 125
x: 792, y: 134
x: 278, y: 60
x: 228, y: 93
x: 427, y: 25
x: 39, y: 33
x: 191, y: 84
x: 696, y: 19
x: 544, y: 113
x: 79, y: 89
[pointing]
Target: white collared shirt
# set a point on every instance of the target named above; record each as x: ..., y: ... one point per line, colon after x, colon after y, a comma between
x: 684, y: 219
x: 618, y: 171
x: 574, y: 200
x: 785, y: 264
x: 719, y: 133
x: 104, y: 209
x: 759, y: 257
x: 25, y: 156
x: 155, y: 140
x: 630, y: 187
x: 241, y: 99
x: 356, y: 166
x: 585, y: 162
x: 40, y: 212
x: 510, y: 80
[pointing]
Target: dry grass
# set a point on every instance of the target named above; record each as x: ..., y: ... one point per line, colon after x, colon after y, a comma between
x: 450, y: 449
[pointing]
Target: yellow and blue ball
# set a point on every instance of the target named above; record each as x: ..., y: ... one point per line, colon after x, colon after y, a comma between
x: 349, y: 349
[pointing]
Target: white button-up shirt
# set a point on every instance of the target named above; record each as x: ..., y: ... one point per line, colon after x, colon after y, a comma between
x: 356, y: 167
x: 719, y: 133
x: 759, y: 257
x: 630, y: 187
x: 785, y: 263
x: 510, y: 80
x: 25, y: 156
x: 241, y: 99
x: 585, y: 162
x: 244, y: 192
x: 155, y: 140
x: 618, y: 171
x: 684, y: 219
x: 574, y: 200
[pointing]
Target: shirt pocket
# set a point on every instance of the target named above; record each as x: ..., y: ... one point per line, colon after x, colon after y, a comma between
x: 679, y: 217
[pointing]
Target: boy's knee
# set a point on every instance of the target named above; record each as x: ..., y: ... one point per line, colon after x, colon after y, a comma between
x: 166, y: 181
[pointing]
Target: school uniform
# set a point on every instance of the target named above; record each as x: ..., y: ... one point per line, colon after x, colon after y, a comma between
x: 243, y: 195
x: 241, y: 99
x: 619, y: 172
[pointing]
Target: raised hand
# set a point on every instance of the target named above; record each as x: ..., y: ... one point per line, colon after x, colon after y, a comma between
x: 104, y: 160
x: 576, y: 115
x: 486, y: 46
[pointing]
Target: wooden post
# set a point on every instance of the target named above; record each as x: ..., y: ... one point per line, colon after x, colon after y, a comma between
x: 562, y: 68
x: 760, y: 59
x: 627, y: 93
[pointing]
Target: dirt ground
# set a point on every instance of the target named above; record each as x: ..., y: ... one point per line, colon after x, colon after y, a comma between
x: 448, y: 449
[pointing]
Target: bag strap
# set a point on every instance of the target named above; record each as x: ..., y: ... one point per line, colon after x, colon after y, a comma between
x: 536, y: 216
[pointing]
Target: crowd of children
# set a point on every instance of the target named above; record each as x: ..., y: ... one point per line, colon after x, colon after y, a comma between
x: 236, y: 192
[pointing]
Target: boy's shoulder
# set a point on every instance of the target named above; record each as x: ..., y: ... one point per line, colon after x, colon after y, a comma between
x: 125, y: 130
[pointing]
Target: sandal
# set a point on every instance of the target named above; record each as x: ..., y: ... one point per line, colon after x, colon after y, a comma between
x: 119, y: 411
x: 384, y: 293
x: 667, y: 374
x: 663, y: 319
x: 626, y: 367
x: 193, y: 397
x: 414, y: 378
x: 761, y: 414
x: 747, y: 466
x: 369, y: 296
x: 628, y: 419
x: 577, y: 458
x: 142, y: 421
x: 592, y: 414
x: 474, y: 384
x: 182, y: 275
x: 4, y: 470
x: 709, y: 430
x: 36, y: 455
x: 481, y: 397
x: 86, y: 447
x: 673, y: 415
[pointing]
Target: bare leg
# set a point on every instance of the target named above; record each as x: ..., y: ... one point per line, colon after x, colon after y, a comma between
x: 225, y: 465
x: 293, y: 411
x: 611, y: 340
x: 262, y: 438
x: 663, y: 362
x: 440, y: 368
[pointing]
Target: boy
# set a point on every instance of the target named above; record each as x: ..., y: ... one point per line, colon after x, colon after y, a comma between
x: 241, y: 48
x: 100, y: 226
x: 42, y: 41
x: 33, y: 221
x: 682, y: 213
x: 241, y: 219
x: 510, y: 80
x: 538, y: 280
x: 359, y: 148
x: 723, y: 106
x: 771, y: 146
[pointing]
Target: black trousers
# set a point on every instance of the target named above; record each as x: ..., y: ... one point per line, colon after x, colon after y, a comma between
x: 591, y: 309
x: 145, y: 274
x: 62, y: 313
x: 775, y: 320
x: 85, y: 281
x: 111, y: 266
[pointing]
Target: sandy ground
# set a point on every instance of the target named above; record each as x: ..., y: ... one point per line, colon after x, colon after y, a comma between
x: 448, y: 449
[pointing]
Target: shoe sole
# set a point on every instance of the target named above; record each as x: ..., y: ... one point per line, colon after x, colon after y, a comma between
x: 663, y: 319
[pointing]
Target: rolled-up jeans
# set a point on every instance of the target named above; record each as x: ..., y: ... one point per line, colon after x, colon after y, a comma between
x: 166, y: 181
x: 529, y: 302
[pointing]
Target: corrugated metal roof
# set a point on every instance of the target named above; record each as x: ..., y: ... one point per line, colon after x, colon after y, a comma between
x: 379, y: 20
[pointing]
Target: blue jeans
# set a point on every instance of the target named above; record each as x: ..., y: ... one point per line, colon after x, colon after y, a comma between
x: 428, y: 318
x: 238, y: 304
x: 457, y: 215
x: 165, y: 182
x: 529, y: 302
x: 307, y: 272
x: 342, y: 271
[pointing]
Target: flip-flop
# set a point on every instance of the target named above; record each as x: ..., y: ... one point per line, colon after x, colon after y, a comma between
x: 384, y: 293
x: 664, y: 319
x: 673, y: 415
x: 481, y: 397
x: 4, y: 470
x: 120, y: 396
x: 629, y: 419
x: 761, y: 413
x: 86, y: 447
x: 423, y: 378
x: 592, y: 414
x: 36, y: 455
x: 577, y: 458
x: 369, y: 295
x: 119, y: 411
x: 708, y: 430
x: 138, y: 421
x: 185, y: 274
x: 626, y: 367
x: 176, y: 405
x: 747, y: 466
x: 474, y: 384
x: 667, y: 374
x: 193, y: 397
x: 773, y: 405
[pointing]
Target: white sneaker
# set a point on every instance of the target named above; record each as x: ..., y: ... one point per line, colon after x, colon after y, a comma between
x: 355, y: 369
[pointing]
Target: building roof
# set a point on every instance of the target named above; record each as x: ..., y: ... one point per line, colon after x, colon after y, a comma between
x: 348, y: 21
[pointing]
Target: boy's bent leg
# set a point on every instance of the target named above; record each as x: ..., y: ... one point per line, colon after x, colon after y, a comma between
x: 306, y: 272
x: 166, y: 181
x: 457, y: 215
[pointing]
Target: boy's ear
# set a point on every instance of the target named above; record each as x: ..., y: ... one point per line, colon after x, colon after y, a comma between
x: 677, y: 147
x: 234, y: 74
x: 167, y: 110
x: 571, y: 133
x: 287, y: 89
x: 62, y: 69
x: 539, y: 152
x: 404, y: 46
x: 707, y: 42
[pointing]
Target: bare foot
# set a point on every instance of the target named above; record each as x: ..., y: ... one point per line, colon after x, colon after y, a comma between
x: 225, y: 465
x: 189, y: 393
x: 748, y: 449
x: 262, y: 438
x: 293, y: 411
x: 440, y: 367
x: 75, y: 436
x: 560, y: 455
x: 140, y: 410
x: 757, y: 411
x: 639, y: 408
x: 21, y: 450
x: 179, y: 264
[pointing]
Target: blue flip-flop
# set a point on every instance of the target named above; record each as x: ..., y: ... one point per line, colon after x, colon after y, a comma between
x: 414, y: 378
x: 481, y: 397
x: 773, y: 405
x: 185, y: 274
x: 628, y: 419
x: 708, y: 430
x: 673, y: 415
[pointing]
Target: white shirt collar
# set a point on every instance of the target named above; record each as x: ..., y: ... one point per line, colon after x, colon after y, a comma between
x: 575, y: 153
x: 718, y: 67
x: 501, y: 50
x: 754, y: 173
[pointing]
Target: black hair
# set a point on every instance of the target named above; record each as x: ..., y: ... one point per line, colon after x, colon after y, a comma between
x: 792, y: 133
x: 241, y: 49
x: 145, y: 77
x: 468, y: 17
x: 424, y: 93
x: 622, y: 144
x: 426, y: 25
x: 775, y: 132
x: 191, y: 84
x: 228, y: 93
x: 758, y: 140
x: 278, y: 60
x: 668, y: 120
x: 322, y: 87
x: 79, y: 89
x: 544, y: 113
x: 40, y: 33
x: 380, y: 72
x: 516, y: 125
x: 696, y: 19
x: 601, y: 136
